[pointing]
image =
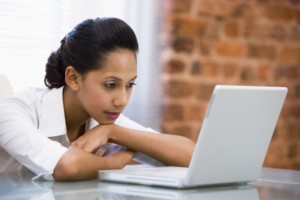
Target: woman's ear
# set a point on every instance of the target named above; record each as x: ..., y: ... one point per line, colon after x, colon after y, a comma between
x: 72, y: 78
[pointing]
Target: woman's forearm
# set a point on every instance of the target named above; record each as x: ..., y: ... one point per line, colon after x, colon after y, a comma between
x: 168, y: 149
x: 77, y: 164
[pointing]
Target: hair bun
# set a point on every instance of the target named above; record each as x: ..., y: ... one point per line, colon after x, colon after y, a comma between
x: 55, y: 76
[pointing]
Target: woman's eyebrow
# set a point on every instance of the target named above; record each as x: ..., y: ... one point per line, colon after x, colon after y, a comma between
x: 113, y: 77
x: 118, y: 79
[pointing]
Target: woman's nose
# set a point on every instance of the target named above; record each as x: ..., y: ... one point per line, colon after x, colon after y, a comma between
x: 121, y: 99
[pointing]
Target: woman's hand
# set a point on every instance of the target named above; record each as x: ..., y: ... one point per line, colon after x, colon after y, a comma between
x: 119, y: 159
x: 93, y: 139
x: 115, y: 156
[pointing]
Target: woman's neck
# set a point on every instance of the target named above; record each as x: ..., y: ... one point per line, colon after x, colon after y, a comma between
x: 75, y: 115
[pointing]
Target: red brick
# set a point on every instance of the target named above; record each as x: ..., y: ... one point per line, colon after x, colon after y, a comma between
x: 211, y: 8
x: 204, y: 91
x: 281, y: 130
x: 255, y: 29
x: 295, y: 111
x: 293, y: 151
x: 231, y: 28
x: 278, y: 32
x: 229, y: 48
x: 294, y: 131
x: 195, y: 113
x: 196, y: 68
x: 181, y: 6
x: 206, y: 7
x: 183, y: 44
x: 204, y: 47
x: 277, y: 151
x: 189, y: 27
x: 297, y: 91
x: 263, y: 71
x: 247, y: 74
x: 286, y: 110
x: 270, y: 31
x: 213, y: 30
x: 210, y: 68
x: 279, y: 12
x: 286, y: 72
x: 179, y: 89
x: 297, y: 15
x: 261, y: 51
x: 175, y: 66
x: 294, y: 3
x: 290, y: 54
x: 243, y: 10
x: 172, y: 112
x: 230, y: 70
x: 279, y: 73
x: 294, y: 33
x: 293, y: 72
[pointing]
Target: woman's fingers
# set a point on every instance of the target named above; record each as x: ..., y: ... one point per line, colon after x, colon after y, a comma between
x: 93, y: 139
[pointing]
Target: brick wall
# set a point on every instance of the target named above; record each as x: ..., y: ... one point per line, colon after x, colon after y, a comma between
x: 245, y: 42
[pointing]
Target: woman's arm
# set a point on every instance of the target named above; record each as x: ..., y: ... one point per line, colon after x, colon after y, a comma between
x: 168, y: 149
x: 77, y: 164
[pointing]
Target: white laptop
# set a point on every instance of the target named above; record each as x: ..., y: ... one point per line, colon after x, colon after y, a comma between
x: 232, y: 143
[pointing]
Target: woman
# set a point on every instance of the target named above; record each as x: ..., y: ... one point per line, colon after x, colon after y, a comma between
x: 75, y: 127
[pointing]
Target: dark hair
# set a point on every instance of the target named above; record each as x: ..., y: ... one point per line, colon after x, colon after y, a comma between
x: 87, y: 44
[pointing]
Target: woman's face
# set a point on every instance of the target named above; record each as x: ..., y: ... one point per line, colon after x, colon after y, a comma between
x: 104, y: 93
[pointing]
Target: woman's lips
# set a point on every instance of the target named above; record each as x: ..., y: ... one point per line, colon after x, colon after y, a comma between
x: 112, y: 115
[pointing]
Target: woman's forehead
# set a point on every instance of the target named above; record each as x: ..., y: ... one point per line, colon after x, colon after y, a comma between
x: 119, y: 61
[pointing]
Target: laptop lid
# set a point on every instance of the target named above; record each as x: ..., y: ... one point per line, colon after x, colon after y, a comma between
x: 235, y: 134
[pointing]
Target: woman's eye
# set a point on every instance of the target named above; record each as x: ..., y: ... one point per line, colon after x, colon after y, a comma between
x: 130, y: 85
x: 110, y: 85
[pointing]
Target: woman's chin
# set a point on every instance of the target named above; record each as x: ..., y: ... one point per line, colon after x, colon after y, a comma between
x: 106, y: 122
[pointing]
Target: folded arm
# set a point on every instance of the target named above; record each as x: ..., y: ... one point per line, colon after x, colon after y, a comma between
x: 78, y: 164
x: 168, y: 149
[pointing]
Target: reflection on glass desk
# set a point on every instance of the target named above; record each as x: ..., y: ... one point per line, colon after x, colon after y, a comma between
x: 272, y: 184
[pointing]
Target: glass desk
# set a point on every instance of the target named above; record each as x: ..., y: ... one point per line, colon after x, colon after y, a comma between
x: 273, y: 184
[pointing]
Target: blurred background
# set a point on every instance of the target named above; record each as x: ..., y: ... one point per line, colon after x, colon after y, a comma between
x: 186, y: 47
